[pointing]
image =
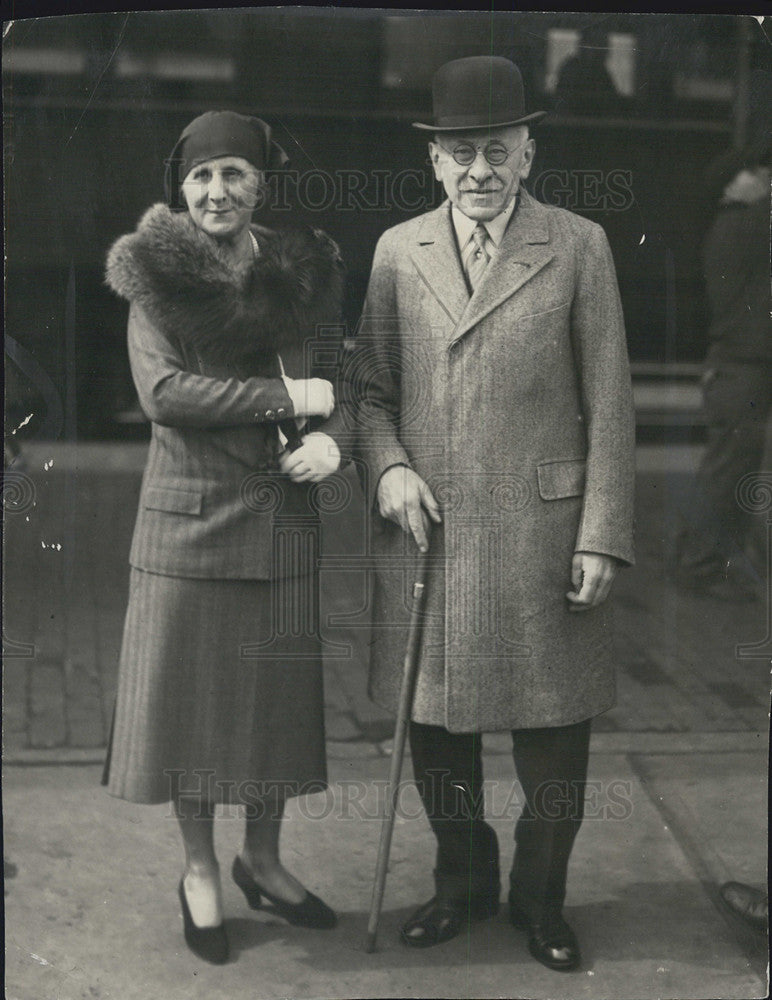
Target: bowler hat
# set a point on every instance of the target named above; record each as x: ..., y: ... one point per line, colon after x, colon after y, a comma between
x: 478, y: 92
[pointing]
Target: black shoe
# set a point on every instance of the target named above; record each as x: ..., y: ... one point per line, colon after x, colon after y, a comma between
x: 453, y: 906
x: 312, y: 912
x: 751, y: 905
x: 209, y: 943
x: 550, y: 939
x: 444, y: 916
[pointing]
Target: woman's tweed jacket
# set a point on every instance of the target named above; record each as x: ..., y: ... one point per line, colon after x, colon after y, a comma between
x: 203, y: 342
x: 514, y: 405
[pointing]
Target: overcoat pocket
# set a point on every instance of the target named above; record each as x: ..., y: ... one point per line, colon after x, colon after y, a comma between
x: 173, y: 500
x: 563, y: 478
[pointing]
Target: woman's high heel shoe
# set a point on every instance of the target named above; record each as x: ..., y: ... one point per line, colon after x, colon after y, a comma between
x: 312, y: 912
x: 209, y: 943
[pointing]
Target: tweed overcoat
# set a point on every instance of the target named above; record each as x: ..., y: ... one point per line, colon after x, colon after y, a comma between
x: 514, y: 404
x: 202, y: 346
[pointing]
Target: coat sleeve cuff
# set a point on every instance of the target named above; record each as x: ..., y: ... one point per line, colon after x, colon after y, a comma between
x: 374, y: 470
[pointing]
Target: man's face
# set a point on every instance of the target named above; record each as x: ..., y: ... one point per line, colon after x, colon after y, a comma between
x: 482, y: 190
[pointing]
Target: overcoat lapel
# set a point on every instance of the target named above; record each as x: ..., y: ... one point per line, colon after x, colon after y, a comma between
x: 524, y: 251
x: 436, y: 259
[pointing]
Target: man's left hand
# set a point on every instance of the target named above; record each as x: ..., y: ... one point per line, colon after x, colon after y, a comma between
x: 316, y: 458
x: 591, y: 577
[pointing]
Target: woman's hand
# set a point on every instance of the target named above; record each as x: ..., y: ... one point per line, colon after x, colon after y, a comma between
x: 311, y: 397
x: 317, y: 457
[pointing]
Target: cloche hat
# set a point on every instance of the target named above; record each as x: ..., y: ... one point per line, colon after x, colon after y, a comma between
x: 220, y: 133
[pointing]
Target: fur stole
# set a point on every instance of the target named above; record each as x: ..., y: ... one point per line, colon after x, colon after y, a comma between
x: 239, y: 319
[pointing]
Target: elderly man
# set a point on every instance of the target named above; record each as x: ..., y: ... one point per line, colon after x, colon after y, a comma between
x: 496, y: 403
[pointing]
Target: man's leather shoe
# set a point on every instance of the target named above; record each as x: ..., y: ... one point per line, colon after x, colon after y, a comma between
x: 442, y: 919
x: 751, y: 905
x: 550, y: 939
x: 449, y: 911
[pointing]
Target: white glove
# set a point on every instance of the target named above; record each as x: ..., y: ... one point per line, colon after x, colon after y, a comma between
x: 311, y: 397
x: 317, y: 458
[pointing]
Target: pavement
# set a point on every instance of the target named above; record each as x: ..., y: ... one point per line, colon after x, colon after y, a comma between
x: 677, y: 803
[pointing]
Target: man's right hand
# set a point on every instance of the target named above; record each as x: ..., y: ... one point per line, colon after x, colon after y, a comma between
x: 405, y: 498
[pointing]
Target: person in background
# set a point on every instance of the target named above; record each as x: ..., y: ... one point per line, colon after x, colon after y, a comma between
x: 584, y: 85
x: 220, y: 310
x: 710, y: 556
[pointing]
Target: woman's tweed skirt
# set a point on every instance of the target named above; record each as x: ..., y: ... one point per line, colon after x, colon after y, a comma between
x: 195, y: 714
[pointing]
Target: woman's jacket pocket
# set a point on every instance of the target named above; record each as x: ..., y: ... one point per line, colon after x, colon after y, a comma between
x: 174, y: 501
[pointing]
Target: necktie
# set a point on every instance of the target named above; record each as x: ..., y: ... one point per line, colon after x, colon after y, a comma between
x: 476, y: 255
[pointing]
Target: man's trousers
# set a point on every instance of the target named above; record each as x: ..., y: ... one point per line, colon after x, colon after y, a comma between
x: 551, y: 765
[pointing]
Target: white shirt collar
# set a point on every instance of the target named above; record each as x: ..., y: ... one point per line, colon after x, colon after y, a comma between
x: 464, y: 226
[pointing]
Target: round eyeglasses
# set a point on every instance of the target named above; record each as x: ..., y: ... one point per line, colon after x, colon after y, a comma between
x: 495, y: 153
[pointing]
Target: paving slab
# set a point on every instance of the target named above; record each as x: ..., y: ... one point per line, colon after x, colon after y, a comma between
x: 723, y: 817
x: 92, y: 910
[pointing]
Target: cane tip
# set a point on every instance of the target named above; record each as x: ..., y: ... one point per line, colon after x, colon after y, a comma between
x: 370, y: 943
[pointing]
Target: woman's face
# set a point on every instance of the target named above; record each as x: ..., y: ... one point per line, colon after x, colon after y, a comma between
x: 221, y: 195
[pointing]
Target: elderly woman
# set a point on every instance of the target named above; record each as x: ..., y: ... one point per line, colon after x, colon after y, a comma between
x: 220, y: 683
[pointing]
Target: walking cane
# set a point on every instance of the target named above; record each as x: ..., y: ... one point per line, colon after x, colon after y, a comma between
x: 409, y: 672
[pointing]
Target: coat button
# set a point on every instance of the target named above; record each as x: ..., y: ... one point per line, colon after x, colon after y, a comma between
x: 268, y: 414
x: 280, y: 412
